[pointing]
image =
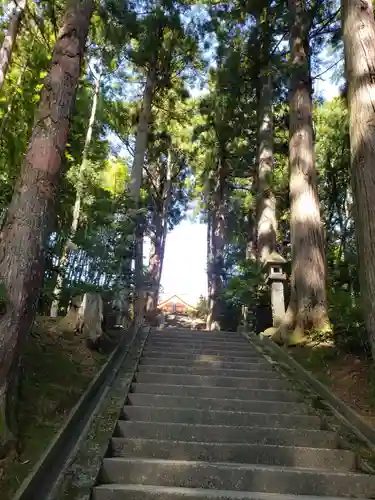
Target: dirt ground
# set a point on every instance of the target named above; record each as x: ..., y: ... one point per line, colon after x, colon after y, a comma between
x: 351, y: 378
x: 57, y: 368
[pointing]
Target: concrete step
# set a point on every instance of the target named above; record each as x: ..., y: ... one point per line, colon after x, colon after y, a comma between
x: 193, y: 335
x: 233, y: 418
x: 262, y: 364
x: 213, y: 371
x: 285, y: 456
x: 223, y: 346
x: 217, y: 392
x: 238, y: 477
x: 201, y: 341
x: 201, y: 357
x: 180, y: 351
x: 218, y: 404
x: 227, y: 434
x: 206, y: 381
x: 145, y: 492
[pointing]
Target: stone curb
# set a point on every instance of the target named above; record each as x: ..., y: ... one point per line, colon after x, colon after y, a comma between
x: 81, y: 473
x: 342, y: 411
x: 47, y: 470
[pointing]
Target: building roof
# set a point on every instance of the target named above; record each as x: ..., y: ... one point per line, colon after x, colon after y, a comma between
x: 173, y: 300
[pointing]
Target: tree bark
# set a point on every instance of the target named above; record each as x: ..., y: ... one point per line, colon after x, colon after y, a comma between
x: 159, y: 239
x: 359, y: 44
x: 308, y: 306
x: 10, y: 39
x: 154, y: 265
x: 218, y: 246
x: 266, y: 202
x: 141, y: 143
x: 209, y: 252
x: 77, y: 204
x: 24, y: 237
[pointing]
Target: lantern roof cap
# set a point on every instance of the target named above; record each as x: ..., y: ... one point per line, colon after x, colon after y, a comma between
x: 275, y: 258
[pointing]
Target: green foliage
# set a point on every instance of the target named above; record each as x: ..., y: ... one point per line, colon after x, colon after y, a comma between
x: 202, y: 308
x: 248, y: 285
x: 347, y: 319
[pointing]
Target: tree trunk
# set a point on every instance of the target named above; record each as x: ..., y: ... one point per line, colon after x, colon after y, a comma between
x: 77, y: 204
x: 159, y: 240
x: 209, y: 253
x: 154, y: 266
x: 141, y: 142
x: 359, y: 44
x: 308, y: 306
x: 25, y: 233
x: 10, y: 38
x: 218, y: 246
x: 211, y: 228
x: 266, y: 202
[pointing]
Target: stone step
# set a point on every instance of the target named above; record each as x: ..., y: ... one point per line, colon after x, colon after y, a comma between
x: 285, y: 456
x: 217, y: 404
x: 200, y: 341
x: 213, y: 371
x: 180, y: 351
x: 232, y: 418
x: 194, y: 336
x: 145, y: 492
x: 200, y: 357
x: 262, y: 364
x: 227, y: 434
x: 238, y: 477
x: 217, y: 392
x: 206, y: 381
x: 224, y: 346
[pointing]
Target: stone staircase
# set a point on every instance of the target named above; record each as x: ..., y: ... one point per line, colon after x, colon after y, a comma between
x: 210, y: 418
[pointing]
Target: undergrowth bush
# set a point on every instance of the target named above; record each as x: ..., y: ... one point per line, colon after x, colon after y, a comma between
x: 346, y: 316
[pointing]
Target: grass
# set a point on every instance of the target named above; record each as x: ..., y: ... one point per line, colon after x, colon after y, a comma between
x: 57, y: 368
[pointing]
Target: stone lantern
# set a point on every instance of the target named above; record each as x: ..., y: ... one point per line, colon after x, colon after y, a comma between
x: 275, y: 268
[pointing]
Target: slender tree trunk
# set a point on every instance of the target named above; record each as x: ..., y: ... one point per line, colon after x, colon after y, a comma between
x: 160, y: 237
x: 209, y: 252
x: 308, y: 306
x: 10, y: 38
x: 266, y: 202
x: 24, y: 237
x: 78, y: 201
x: 359, y: 44
x: 141, y: 143
x: 154, y: 267
x: 211, y: 242
x: 218, y: 246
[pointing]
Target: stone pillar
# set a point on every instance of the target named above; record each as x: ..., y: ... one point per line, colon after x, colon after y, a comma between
x: 277, y: 302
x: 276, y: 277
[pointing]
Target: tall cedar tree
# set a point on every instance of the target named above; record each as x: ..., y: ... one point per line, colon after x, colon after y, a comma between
x: 266, y: 200
x: 308, y: 305
x: 359, y: 43
x: 27, y: 227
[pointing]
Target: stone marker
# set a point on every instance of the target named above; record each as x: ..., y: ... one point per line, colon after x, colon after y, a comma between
x: 276, y: 277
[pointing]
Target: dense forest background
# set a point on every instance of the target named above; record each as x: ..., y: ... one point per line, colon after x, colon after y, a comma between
x: 116, y: 115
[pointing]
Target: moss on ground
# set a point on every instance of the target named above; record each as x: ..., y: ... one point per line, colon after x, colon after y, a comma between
x: 57, y: 369
x: 317, y: 360
x: 352, y: 379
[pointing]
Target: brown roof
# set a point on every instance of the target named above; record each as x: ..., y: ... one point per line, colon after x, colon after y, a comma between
x: 164, y: 302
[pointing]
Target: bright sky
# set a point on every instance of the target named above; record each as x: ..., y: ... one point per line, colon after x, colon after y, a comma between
x: 184, y: 270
